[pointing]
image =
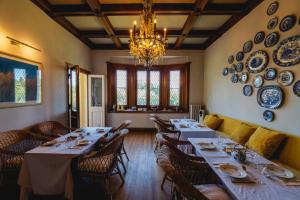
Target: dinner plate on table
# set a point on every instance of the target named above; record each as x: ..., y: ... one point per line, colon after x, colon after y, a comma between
x: 279, y: 171
x: 100, y: 130
x: 183, y: 126
x: 206, y: 146
x: 49, y: 143
x: 232, y: 170
x: 83, y: 142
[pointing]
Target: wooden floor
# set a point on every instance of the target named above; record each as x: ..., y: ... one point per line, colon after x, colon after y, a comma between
x: 143, y: 177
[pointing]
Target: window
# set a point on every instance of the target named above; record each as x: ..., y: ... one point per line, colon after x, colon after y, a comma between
x: 174, y: 88
x: 20, y: 85
x: 164, y: 87
x: 121, y: 87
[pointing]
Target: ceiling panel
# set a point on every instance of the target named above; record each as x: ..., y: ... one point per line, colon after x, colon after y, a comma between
x: 123, y: 22
x: 85, y: 22
x: 172, y: 40
x: 101, y: 40
x: 194, y: 40
x: 57, y: 2
x: 210, y: 22
x: 124, y: 40
x: 140, y: 1
x: 228, y: 1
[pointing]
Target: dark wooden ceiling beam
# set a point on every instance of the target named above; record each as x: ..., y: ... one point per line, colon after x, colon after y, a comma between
x: 125, y: 33
x: 251, y: 4
x: 191, y: 20
x: 46, y: 7
x: 97, y: 10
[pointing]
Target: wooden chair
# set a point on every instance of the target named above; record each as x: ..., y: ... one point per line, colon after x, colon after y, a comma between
x: 50, y: 129
x: 160, y: 127
x: 13, y: 145
x: 166, y: 123
x: 100, y: 166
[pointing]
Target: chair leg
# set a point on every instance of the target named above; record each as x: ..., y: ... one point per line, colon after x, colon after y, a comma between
x: 120, y: 174
x: 108, y: 195
x: 124, y: 152
x: 122, y: 163
x: 163, y: 181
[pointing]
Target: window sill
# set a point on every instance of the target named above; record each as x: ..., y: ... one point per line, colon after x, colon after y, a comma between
x: 148, y: 111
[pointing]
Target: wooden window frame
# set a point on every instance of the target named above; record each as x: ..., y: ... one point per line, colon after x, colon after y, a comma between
x: 164, y: 93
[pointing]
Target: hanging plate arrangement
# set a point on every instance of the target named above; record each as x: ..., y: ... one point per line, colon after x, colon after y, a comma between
x: 257, y: 61
x: 268, y: 115
x: 247, y: 46
x: 258, y: 81
x: 234, y: 78
x: 272, y: 39
x: 247, y: 90
x: 272, y: 23
x: 230, y: 59
x: 244, y: 77
x: 239, y: 56
x: 273, y: 7
x: 287, y: 23
x: 270, y: 74
x: 285, y: 78
x: 296, y: 88
x: 270, y: 96
x: 225, y: 71
x: 287, y: 52
x: 239, y: 67
x: 259, y: 37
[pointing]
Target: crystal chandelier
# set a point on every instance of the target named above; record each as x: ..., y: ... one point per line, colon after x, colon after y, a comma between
x: 147, y: 46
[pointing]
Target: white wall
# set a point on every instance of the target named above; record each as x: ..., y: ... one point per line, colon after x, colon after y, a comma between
x: 223, y: 97
x: 22, y: 20
x: 100, y: 57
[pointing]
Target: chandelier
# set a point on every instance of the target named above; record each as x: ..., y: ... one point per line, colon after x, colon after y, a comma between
x: 147, y: 46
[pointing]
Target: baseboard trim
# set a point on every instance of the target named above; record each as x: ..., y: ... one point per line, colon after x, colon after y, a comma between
x: 142, y: 129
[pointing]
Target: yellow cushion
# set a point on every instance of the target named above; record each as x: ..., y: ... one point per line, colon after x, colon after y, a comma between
x: 265, y: 142
x: 213, y: 122
x: 242, y: 133
x: 206, y: 118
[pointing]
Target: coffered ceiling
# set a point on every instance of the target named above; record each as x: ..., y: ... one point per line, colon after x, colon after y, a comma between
x: 104, y: 24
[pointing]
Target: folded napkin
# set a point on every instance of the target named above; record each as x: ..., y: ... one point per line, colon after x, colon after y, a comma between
x: 249, y: 179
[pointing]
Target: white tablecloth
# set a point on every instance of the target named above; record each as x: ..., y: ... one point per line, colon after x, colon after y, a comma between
x: 47, y: 170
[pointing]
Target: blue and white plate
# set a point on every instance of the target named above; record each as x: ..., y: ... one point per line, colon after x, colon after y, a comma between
x: 258, y: 81
x: 247, y: 46
x: 287, y: 53
x: 257, y: 61
x: 285, y: 78
x: 231, y: 70
x: 268, y: 115
x: 296, y: 88
x: 272, y: 23
x: 225, y: 71
x: 272, y: 8
x: 239, y: 56
x: 247, y: 90
x: 272, y: 39
x: 287, y: 23
x: 259, y: 37
x: 270, y: 96
x: 230, y: 59
x: 244, y: 77
x: 270, y: 74
x: 234, y: 78
x: 239, y: 67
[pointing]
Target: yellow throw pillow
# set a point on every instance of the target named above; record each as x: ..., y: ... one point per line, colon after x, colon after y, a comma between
x: 242, y: 133
x: 212, y: 122
x: 265, y: 142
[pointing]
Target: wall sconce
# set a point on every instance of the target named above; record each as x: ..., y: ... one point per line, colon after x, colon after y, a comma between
x: 20, y: 44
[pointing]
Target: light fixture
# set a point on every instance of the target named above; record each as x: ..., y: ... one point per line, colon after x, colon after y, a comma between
x: 20, y: 44
x: 147, y: 46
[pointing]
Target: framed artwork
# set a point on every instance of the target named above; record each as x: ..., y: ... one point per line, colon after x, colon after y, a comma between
x: 20, y: 81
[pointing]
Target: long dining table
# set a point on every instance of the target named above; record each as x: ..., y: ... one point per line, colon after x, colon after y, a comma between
x: 190, y: 128
x: 262, y: 186
x: 46, y: 170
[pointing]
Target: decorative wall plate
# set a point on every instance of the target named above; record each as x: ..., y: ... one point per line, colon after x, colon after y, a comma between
x: 231, y: 70
x: 270, y: 74
x: 230, y: 59
x: 272, y: 39
x: 287, y: 23
x: 239, y: 56
x: 225, y: 71
x: 273, y: 7
x: 258, y: 81
x: 296, y: 88
x: 247, y: 46
x: 270, y: 96
x: 268, y: 115
x: 287, y: 52
x: 239, y: 67
x: 272, y: 23
x: 257, y: 61
x: 247, y: 90
x: 285, y: 78
x: 244, y: 77
x: 234, y: 78
x: 259, y: 37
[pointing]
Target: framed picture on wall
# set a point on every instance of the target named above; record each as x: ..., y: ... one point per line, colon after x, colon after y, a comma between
x: 20, y: 81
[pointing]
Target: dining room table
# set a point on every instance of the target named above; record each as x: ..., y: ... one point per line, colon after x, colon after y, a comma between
x: 46, y: 169
x: 190, y: 128
x: 258, y: 183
